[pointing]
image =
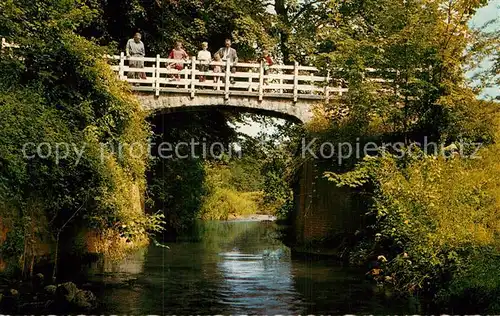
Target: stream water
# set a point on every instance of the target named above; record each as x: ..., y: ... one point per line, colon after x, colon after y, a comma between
x: 234, y: 268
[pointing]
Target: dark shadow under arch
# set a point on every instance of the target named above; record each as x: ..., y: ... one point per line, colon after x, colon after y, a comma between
x: 230, y: 109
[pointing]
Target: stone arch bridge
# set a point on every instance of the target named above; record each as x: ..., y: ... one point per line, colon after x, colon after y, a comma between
x: 285, y: 91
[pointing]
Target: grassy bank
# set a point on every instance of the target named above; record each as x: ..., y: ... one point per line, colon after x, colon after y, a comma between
x: 226, y: 197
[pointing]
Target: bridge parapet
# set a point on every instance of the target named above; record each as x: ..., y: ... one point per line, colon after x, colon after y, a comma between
x: 284, y: 90
x: 292, y: 82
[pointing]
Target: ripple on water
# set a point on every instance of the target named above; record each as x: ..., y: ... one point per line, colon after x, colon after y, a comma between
x: 234, y: 268
x: 252, y: 284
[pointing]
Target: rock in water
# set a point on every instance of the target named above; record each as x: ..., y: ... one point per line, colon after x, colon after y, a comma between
x: 50, y: 289
x: 84, y: 300
x: 39, y: 277
x: 38, y: 281
x: 65, y: 292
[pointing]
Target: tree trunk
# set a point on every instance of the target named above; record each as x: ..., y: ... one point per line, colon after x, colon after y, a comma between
x: 282, y: 13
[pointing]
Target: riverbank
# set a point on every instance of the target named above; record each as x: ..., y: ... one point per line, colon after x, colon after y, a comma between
x: 38, y: 295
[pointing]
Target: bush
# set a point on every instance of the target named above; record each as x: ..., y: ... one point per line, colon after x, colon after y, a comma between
x: 433, y: 219
x: 57, y: 89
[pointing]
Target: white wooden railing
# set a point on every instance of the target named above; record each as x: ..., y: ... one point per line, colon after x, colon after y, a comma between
x: 6, y: 44
x: 247, y: 79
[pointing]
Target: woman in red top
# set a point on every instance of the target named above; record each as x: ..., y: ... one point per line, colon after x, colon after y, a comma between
x: 268, y: 62
x: 178, y: 53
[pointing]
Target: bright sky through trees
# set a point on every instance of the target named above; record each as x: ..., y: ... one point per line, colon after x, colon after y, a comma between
x: 485, y: 14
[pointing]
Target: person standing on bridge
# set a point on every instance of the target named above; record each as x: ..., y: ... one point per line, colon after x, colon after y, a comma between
x: 204, y: 56
x: 135, y: 48
x: 217, y: 69
x: 180, y: 54
x: 267, y: 62
x: 229, y: 53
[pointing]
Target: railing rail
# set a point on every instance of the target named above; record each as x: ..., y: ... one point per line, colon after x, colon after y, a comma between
x: 244, y: 79
x: 6, y: 44
x: 248, y: 79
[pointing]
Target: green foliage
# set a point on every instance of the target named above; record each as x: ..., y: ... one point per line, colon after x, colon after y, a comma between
x: 433, y: 220
x: 244, y: 173
x: 221, y: 203
x: 176, y: 188
x: 277, y: 192
x: 192, y: 22
x: 57, y: 89
x: 418, y: 48
x: 176, y: 185
x: 222, y: 199
x: 298, y: 24
x: 477, y: 287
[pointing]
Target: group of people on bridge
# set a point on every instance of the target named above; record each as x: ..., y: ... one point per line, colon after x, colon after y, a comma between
x: 135, y: 48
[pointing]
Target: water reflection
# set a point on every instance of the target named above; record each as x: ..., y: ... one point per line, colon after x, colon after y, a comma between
x: 256, y: 285
x: 133, y: 264
x: 232, y: 268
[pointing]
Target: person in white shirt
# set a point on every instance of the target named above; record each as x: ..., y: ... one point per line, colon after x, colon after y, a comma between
x: 204, y: 56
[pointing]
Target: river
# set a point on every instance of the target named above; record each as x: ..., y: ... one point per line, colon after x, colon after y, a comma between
x: 236, y: 267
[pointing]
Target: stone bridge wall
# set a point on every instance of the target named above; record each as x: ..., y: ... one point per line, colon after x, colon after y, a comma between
x: 300, y: 111
x: 324, y: 214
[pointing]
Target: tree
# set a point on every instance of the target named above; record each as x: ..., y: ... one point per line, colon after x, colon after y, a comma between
x: 163, y: 22
x: 57, y: 90
x: 418, y: 48
x: 298, y: 23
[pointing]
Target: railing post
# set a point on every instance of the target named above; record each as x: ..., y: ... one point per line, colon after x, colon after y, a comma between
x: 193, y: 75
x: 327, y: 90
x: 396, y: 80
x: 121, y: 66
x: 186, y: 76
x: 157, y: 75
x: 312, y: 82
x: 281, y: 81
x: 296, y: 82
x: 250, y: 80
x: 261, y: 81
x: 226, y: 83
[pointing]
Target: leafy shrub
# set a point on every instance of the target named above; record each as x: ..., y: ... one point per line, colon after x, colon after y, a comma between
x: 433, y: 217
x: 222, y: 203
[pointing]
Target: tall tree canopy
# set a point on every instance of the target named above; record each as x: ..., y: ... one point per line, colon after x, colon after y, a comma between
x: 163, y: 22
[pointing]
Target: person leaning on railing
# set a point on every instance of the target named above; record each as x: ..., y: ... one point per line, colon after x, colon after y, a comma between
x: 180, y: 54
x: 217, y: 68
x: 267, y: 62
x: 229, y: 53
x: 204, y: 56
x: 135, y: 48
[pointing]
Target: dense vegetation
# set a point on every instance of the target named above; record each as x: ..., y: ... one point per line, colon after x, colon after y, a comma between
x: 57, y: 89
x: 433, y: 219
x: 231, y: 181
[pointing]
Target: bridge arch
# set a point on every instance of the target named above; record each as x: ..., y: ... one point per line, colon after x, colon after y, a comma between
x: 299, y: 112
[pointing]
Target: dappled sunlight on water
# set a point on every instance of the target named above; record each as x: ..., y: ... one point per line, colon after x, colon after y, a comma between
x: 255, y: 284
